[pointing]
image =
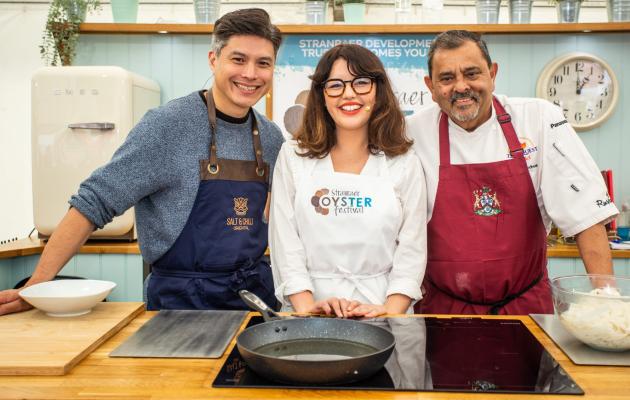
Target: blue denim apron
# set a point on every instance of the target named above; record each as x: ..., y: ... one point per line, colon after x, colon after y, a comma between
x: 221, y: 248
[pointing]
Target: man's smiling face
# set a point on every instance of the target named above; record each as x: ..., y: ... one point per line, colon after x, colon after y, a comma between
x: 243, y: 73
x: 462, y: 84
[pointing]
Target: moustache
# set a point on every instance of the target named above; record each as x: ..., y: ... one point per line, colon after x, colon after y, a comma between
x: 466, y: 95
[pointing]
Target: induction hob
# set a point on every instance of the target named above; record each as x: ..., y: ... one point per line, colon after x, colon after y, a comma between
x: 442, y: 354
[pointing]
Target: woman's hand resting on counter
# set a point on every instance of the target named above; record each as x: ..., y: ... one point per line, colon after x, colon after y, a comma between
x: 304, y: 302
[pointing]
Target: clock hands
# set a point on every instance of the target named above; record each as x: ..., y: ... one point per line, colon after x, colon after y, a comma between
x: 579, y: 85
x: 578, y: 88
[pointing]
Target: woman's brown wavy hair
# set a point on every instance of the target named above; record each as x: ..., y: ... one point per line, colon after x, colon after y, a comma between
x: 386, y: 126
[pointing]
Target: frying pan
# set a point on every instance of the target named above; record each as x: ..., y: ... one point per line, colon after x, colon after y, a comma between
x: 312, y: 351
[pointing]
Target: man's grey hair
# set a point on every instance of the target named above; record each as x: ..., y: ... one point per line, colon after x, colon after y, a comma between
x: 454, y: 39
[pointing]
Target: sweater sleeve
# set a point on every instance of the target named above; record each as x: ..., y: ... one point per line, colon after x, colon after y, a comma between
x: 137, y: 169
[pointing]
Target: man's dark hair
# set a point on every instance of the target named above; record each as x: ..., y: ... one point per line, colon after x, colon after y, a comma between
x: 247, y: 21
x: 454, y: 39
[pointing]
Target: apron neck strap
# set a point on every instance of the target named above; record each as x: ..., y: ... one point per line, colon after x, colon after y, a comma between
x: 212, y: 118
x: 505, y: 122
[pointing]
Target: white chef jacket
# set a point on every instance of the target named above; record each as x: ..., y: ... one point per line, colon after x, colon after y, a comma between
x: 569, y: 187
x: 291, y: 258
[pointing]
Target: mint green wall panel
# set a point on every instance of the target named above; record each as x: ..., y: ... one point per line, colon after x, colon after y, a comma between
x: 179, y: 64
x: 560, y: 267
x: 139, y: 53
x: 117, y: 272
x: 5, y: 273
x: 124, y: 269
x: 569, y: 266
x: 134, y: 277
x: 89, y: 266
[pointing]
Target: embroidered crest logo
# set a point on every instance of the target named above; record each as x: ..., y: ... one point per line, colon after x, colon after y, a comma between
x: 486, y: 202
x: 240, y: 206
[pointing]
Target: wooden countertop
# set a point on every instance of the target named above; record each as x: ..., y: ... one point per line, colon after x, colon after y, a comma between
x: 99, y: 376
x: 30, y: 246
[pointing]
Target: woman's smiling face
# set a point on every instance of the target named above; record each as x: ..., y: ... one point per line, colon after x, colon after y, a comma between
x: 350, y: 111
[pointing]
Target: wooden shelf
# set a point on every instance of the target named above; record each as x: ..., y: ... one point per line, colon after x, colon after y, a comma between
x: 31, y: 246
x: 204, y: 29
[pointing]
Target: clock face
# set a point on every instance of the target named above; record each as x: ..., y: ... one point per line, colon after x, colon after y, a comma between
x: 583, y: 86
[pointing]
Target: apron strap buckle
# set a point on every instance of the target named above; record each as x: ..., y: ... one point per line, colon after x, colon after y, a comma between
x: 504, y: 118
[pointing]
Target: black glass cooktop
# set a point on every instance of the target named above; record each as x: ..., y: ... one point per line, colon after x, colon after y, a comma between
x: 443, y: 354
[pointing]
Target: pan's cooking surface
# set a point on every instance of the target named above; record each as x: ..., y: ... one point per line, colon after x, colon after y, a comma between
x: 316, y: 349
x: 431, y: 354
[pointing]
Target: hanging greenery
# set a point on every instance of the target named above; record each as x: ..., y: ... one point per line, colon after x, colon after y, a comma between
x: 61, y: 35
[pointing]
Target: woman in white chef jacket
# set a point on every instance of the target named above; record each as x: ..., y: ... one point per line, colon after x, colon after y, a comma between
x: 348, y: 209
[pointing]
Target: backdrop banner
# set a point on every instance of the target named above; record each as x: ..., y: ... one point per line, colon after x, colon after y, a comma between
x: 404, y: 57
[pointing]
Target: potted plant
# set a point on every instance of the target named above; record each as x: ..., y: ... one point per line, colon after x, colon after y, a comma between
x: 61, y: 34
x: 568, y: 10
x: 354, y: 11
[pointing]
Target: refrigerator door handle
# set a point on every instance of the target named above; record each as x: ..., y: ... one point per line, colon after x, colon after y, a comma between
x: 101, y: 126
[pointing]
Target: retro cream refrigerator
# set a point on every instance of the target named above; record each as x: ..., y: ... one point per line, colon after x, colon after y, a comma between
x: 79, y: 117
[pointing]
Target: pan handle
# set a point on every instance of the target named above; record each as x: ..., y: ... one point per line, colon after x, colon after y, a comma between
x: 256, y: 303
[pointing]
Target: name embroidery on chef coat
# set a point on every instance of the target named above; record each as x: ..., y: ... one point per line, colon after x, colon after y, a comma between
x: 486, y: 202
x: 240, y: 222
x: 340, y: 202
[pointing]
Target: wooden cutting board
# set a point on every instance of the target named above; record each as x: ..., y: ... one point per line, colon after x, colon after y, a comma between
x: 32, y: 343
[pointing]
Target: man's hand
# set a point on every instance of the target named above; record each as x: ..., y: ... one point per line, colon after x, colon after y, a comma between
x: 11, y: 302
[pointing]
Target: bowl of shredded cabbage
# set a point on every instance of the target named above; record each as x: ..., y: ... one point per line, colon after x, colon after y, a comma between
x: 595, y: 309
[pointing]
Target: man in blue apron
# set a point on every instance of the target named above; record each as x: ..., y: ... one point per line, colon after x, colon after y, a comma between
x: 197, y: 172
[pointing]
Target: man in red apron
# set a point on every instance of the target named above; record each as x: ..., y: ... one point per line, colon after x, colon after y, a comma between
x: 493, y: 193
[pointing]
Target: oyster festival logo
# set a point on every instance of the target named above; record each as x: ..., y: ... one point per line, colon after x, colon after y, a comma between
x: 527, y: 146
x: 340, y: 202
x: 240, y: 222
x: 486, y: 202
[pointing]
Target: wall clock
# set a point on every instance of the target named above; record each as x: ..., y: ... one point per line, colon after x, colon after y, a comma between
x: 583, y: 85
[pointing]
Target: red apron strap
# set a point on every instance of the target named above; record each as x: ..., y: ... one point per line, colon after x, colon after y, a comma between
x: 445, y: 144
x: 505, y: 122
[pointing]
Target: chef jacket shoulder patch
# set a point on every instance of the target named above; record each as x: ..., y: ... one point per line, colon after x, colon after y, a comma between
x: 486, y: 203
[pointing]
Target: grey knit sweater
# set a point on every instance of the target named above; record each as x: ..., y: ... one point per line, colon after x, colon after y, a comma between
x: 157, y: 170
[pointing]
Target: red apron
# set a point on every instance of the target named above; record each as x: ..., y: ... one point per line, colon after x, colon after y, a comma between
x: 487, y: 249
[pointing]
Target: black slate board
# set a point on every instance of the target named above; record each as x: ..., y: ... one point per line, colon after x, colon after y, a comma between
x: 183, y: 334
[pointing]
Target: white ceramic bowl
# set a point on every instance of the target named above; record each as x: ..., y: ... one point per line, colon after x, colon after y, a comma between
x: 595, y: 309
x: 67, y: 297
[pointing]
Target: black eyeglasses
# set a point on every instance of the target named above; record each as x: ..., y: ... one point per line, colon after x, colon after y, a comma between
x: 360, y: 85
